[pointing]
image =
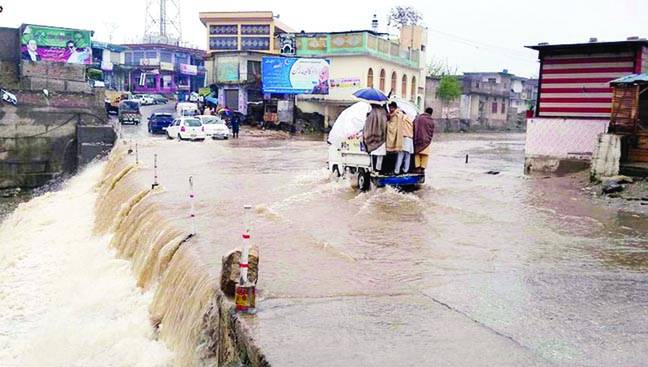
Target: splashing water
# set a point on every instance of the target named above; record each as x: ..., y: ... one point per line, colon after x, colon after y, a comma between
x: 65, y: 300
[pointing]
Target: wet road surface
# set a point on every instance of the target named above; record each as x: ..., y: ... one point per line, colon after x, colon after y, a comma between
x: 473, y: 269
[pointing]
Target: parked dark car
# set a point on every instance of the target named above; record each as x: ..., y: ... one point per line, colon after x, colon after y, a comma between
x: 158, y: 121
x: 159, y: 99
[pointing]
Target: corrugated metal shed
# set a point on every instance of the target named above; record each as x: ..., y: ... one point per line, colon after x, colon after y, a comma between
x: 631, y: 79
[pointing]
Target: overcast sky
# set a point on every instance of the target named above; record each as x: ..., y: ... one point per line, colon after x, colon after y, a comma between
x: 472, y: 35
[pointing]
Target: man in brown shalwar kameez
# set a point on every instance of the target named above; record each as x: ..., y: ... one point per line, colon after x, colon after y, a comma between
x: 423, y: 133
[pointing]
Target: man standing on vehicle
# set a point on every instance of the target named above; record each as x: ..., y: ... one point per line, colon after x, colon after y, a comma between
x: 374, y: 135
x: 400, y: 133
x: 423, y: 133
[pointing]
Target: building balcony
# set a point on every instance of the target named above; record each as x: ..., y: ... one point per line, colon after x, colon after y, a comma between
x: 355, y: 43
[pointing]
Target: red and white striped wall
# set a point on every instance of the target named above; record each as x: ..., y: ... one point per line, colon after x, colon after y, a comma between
x: 578, y: 85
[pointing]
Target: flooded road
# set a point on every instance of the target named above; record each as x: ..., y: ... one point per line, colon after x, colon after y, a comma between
x: 472, y: 268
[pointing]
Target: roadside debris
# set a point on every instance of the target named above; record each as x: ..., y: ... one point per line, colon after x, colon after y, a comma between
x: 612, y: 187
x: 9, y: 97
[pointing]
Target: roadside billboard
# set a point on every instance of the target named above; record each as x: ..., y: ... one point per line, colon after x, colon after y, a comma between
x: 290, y: 75
x: 41, y: 43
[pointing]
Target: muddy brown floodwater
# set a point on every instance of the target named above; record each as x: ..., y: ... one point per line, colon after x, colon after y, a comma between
x: 473, y: 269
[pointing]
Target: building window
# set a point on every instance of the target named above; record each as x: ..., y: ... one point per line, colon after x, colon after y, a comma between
x: 151, y: 81
x: 393, y: 83
x: 253, y: 71
x: 166, y: 57
x: 137, y: 56
x: 494, y: 108
x: 413, y: 94
x: 181, y: 58
x: 503, y: 107
x: 254, y: 29
x: 404, y: 87
x: 128, y: 58
x: 151, y: 54
x: 223, y: 43
x: 223, y: 29
x: 370, y: 78
x: 382, y: 80
x: 255, y: 43
x: 477, y: 85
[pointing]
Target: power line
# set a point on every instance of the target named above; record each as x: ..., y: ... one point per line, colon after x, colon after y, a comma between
x: 499, y: 50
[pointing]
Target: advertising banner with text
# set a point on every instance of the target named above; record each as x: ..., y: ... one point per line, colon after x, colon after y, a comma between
x: 40, y: 43
x: 290, y: 75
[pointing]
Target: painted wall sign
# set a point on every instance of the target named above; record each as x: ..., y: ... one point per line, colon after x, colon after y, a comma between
x: 345, y: 83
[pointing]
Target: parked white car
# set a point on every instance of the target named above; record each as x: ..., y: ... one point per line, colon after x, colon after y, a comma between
x: 215, y: 127
x: 186, y: 128
x: 144, y: 100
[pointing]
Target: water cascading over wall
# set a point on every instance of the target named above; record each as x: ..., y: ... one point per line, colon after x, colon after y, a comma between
x: 188, y: 310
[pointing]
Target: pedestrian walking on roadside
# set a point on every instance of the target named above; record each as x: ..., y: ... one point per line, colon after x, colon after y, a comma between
x: 236, y: 122
x: 400, y: 138
x: 423, y: 133
x: 375, y: 134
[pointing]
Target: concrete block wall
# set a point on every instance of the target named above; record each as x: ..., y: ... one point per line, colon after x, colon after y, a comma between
x: 53, y: 70
x: 55, y: 77
x: 9, y: 44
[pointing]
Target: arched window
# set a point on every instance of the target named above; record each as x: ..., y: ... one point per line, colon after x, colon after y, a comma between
x: 404, y: 87
x: 370, y: 78
x: 393, y: 83
x: 382, y: 80
x: 414, y: 88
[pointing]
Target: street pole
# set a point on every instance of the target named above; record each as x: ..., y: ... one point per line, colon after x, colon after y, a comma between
x: 245, y: 298
x: 155, y: 172
x: 192, y: 214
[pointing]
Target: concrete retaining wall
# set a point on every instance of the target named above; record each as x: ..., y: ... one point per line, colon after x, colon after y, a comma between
x: 192, y: 316
x: 39, y: 137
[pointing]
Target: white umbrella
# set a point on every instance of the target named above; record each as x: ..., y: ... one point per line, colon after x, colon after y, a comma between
x: 350, y: 122
x: 408, y: 107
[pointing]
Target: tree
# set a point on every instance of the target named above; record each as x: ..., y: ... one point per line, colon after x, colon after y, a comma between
x: 404, y: 15
x: 440, y: 67
x: 448, y: 90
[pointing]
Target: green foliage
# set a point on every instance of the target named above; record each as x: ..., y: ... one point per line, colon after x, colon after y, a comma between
x: 449, y: 88
x: 94, y: 74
